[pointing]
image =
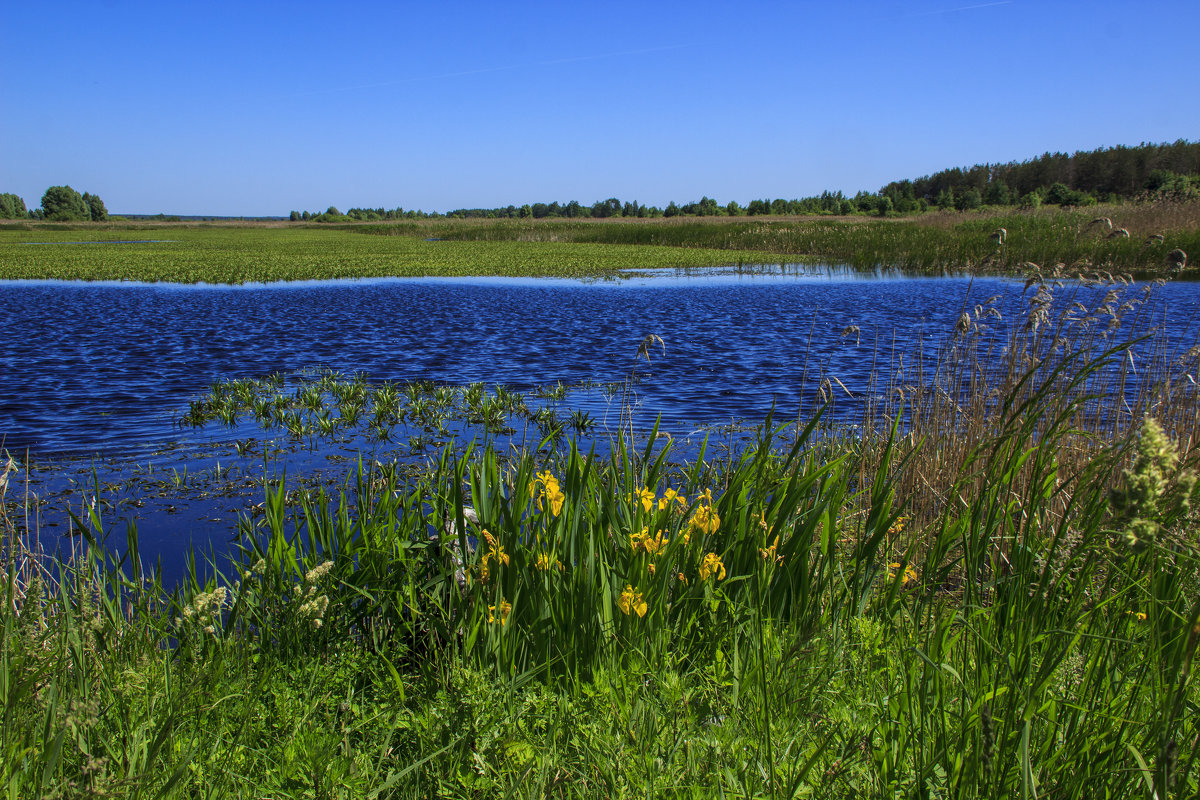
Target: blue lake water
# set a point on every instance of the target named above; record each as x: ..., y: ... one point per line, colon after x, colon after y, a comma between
x: 104, y: 369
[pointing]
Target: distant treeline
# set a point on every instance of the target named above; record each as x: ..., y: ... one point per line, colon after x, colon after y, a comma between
x: 826, y: 203
x: 1083, y: 178
x: 1107, y: 174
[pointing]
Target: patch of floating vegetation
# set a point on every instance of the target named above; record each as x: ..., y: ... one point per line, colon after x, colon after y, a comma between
x: 326, y: 405
x: 110, y: 241
x: 220, y: 255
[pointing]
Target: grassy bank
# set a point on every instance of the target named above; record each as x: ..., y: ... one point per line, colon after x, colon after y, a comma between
x: 1004, y: 602
x: 929, y: 243
x: 1050, y: 240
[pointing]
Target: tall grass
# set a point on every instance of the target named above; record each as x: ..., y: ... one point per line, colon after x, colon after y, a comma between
x: 931, y: 243
x: 1093, y: 363
x: 1052, y: 240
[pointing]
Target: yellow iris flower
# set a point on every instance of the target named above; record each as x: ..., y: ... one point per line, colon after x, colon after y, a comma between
x: 704, y: 520
x: 768, y: 553
x: 631, y: 601
x: 910, y: 573
x: 646, y: 497
x: 711, y: 566
x: 547, y: 562
x: 496, y: 552
x: 551, y: 492
x: 500, y: 616
x: 653, y: 545
x: 671, y: 496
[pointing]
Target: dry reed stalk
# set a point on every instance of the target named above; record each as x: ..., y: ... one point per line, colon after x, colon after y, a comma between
x: 983, y: 384
x: 25, y: 564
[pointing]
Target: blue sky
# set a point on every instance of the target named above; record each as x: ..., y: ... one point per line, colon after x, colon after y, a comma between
x: 260, y: 108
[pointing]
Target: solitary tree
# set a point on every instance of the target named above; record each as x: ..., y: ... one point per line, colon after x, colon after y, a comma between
x: 62, y: 203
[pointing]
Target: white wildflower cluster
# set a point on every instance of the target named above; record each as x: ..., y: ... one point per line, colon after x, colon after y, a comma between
x: 313, y: 605
x: 205, y: 610
x: 1144, y: 500
x: 320, y: 571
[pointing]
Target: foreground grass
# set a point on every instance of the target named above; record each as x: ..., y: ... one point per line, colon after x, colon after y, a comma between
x: 765, y: 626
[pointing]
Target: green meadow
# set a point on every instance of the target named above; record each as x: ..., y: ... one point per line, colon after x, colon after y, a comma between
x: 1117, y: 238
x: 1143, y: 239
x: 248, y: 253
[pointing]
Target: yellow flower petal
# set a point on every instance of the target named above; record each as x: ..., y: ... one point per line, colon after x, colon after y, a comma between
x: 631, y: 601
x: 711, y: 566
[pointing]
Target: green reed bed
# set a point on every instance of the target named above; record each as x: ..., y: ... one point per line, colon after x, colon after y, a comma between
x: 239, y: 254
x: 1048, y: 240
x: 768, y: 624
x: 930, y: 243
x: 1091, y: 362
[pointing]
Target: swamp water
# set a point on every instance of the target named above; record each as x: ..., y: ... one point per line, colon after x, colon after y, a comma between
x: 97, y: 378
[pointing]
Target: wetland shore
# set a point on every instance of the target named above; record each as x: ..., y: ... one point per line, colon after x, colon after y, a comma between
x: 1066, y: 242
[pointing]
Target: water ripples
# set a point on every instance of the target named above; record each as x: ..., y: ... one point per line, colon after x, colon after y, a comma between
x: 104, y: 368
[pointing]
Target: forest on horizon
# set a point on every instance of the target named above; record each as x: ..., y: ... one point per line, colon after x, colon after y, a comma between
x: 1108, y: 174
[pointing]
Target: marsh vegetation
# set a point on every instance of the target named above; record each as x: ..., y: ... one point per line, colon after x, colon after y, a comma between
x: 982, y: 582
x: 1053, y: 241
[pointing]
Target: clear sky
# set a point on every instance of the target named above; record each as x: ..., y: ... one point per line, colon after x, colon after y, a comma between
x: 259, y: 108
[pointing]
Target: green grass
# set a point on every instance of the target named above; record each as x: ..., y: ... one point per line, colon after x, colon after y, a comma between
x: 927, y: 244
x: 1050, y: 240
x: 236, y: 254
x: 792, y: 638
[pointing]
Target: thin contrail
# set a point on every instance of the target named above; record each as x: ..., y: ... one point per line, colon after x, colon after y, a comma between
x: 485, y: 70
x: 613, y: 55
x: 960, y: 8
